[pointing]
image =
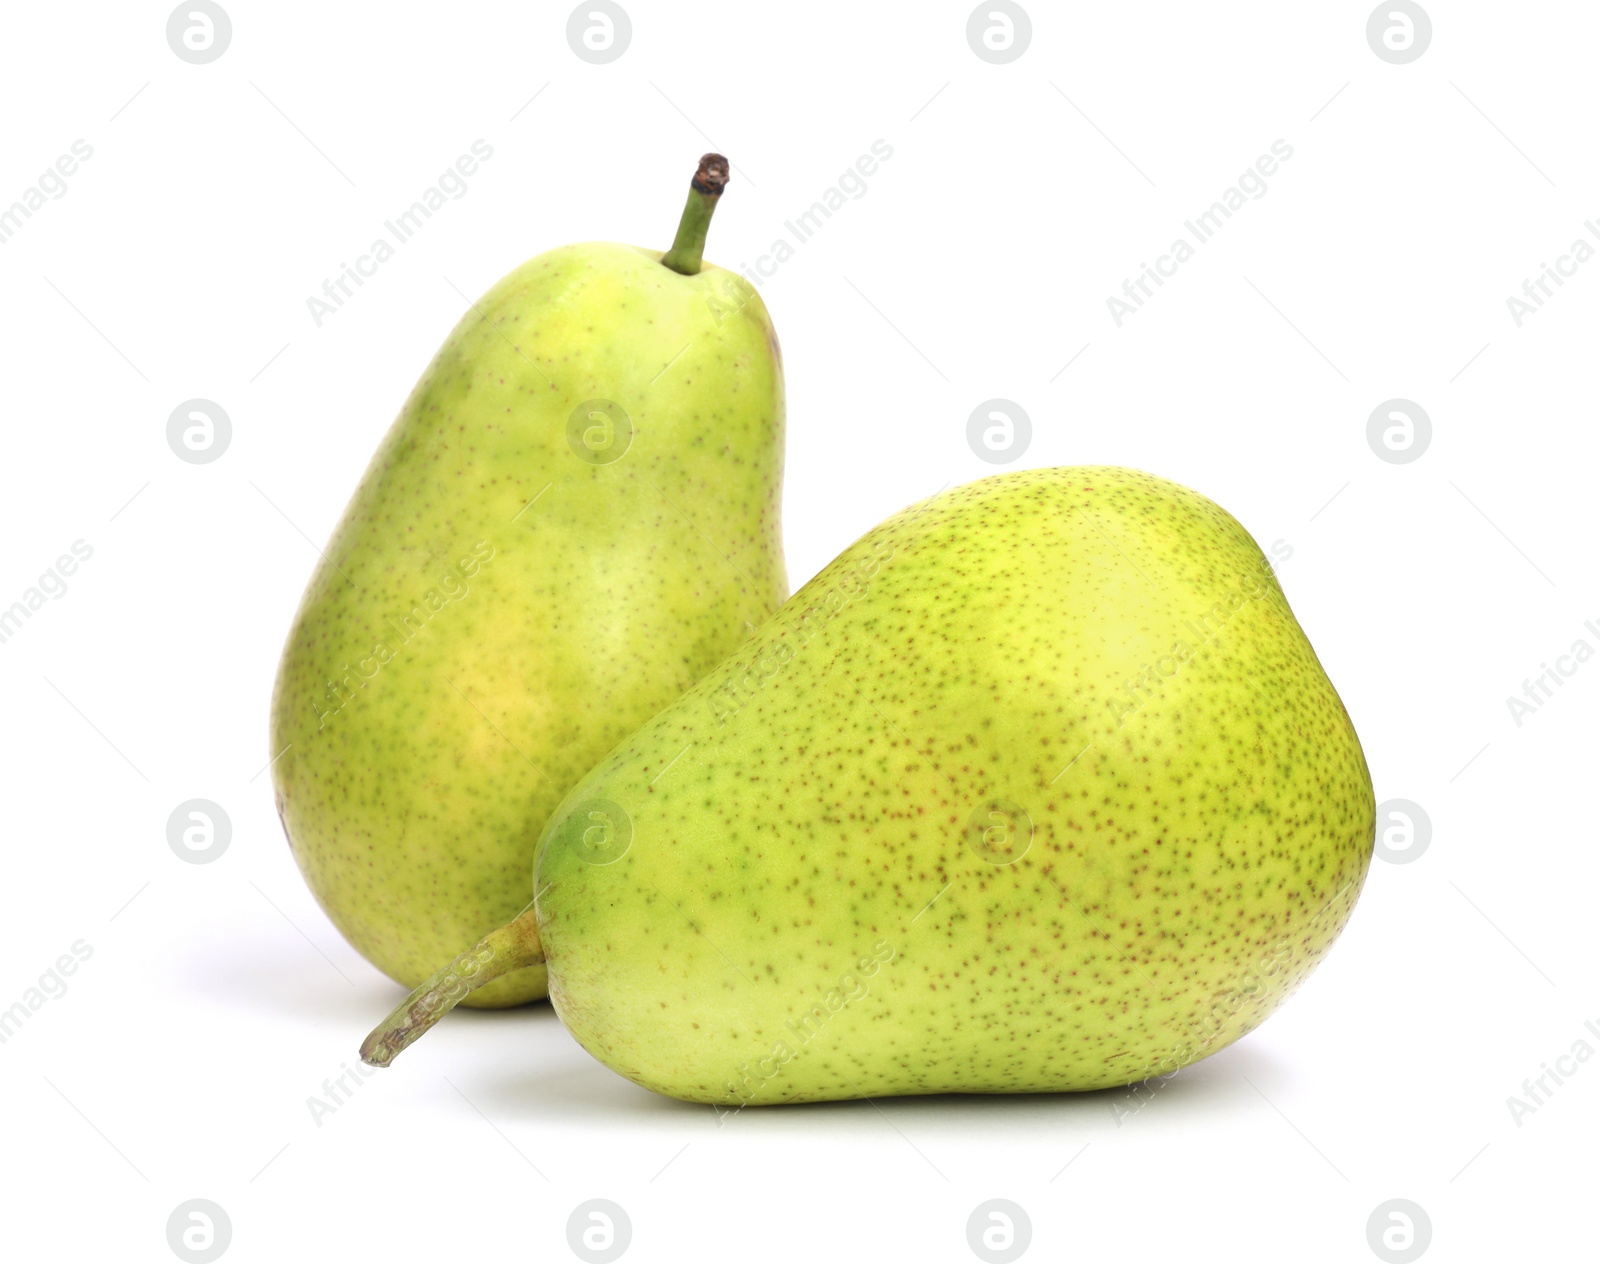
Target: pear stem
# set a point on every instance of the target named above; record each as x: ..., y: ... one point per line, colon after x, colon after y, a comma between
x: 704, y: 190
x: 512, y: 947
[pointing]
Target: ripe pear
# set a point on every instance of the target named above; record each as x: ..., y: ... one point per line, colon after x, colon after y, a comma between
x: 574, y: 517
x: 1038, y: 786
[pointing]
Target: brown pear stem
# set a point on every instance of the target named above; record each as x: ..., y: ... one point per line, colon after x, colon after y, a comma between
x: 512, y: 947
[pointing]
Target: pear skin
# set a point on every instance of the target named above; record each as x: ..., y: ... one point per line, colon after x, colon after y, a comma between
x: 574, y: 517
x: 1038, y: 786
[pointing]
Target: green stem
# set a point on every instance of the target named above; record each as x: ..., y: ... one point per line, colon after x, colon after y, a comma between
x: 512, y: 947
x: 704, y: 190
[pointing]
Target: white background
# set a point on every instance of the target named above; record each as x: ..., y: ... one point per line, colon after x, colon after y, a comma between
x: 218, y: 997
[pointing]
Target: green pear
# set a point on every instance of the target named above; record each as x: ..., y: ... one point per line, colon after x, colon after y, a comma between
x: 574, y: 517
x: 1037, y: 786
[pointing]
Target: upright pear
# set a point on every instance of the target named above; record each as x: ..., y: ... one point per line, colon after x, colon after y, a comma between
x: 573, y: 518
x: 1038, y: 786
